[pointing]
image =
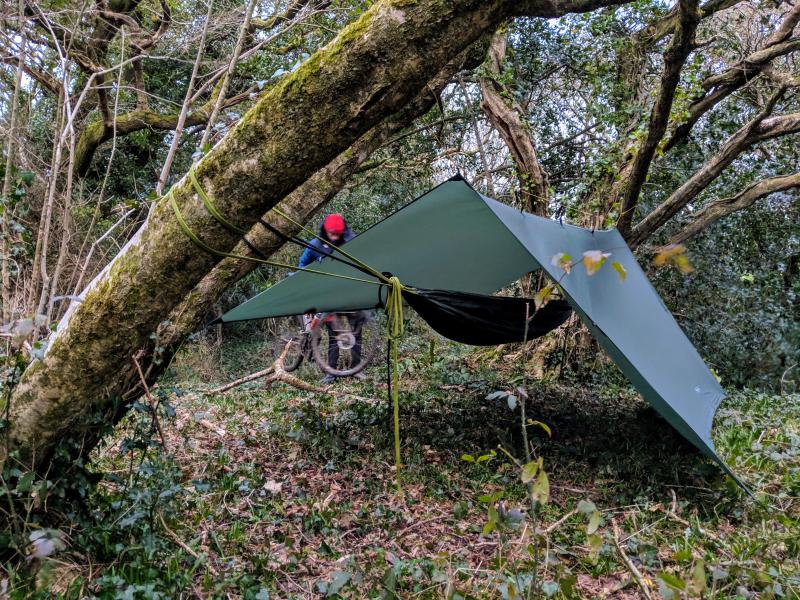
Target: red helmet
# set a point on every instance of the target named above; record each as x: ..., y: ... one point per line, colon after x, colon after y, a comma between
x: 334, y: 224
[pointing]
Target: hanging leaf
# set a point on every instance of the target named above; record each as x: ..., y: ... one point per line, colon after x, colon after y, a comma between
x: 674, y: 255
x: 543, y: 296
x: 544, y: 426
x: 541, y: 489
x: 563, y: 261
x: 593, y: 260
x: 594, y: 522
x: 512, y: 401
x: 617, y: 266
x: 586, y: 507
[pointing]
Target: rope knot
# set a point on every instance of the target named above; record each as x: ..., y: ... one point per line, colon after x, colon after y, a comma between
x: 394, y: 308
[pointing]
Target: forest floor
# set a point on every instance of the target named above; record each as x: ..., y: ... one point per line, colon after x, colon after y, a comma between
x: 279, y: 493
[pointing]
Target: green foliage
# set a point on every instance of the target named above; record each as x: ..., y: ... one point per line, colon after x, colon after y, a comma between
x: 740, y: 304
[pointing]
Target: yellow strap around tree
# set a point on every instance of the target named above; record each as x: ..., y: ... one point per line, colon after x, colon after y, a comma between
x: 210, y: 205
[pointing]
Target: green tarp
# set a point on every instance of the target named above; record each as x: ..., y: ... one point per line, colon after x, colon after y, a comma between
x: 453, y: 238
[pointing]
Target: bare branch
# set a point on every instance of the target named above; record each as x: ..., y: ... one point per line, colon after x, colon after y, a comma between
x: 760, y: 128
x: 714, y: 211
x: 223, y: 90
x: 162, y: 178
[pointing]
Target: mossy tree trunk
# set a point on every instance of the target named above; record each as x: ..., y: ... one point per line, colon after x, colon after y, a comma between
x: 369, y: 72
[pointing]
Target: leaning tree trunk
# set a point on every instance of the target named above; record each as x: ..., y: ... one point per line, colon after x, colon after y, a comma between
x: 302, y: 204
x: 370, y: 71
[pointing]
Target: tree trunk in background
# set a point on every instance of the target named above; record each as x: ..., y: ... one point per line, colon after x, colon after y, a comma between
x: 371, y: 70
x: 507, y: 119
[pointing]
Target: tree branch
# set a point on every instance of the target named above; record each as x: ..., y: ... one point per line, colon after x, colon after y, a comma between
x: 287, y: 15
x: 720, y: 86
x: 760, y: 128
x: 507, y: 119
x: 661, y: 28
x: 674, y: 59
x: 714, y: 211
x: 98, y: 132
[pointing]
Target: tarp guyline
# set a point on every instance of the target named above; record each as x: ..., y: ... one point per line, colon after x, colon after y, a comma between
x: 453, y: 242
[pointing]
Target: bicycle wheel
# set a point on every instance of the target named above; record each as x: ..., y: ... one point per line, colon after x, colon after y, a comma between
x: 291, y: 333
x: 344, y: 343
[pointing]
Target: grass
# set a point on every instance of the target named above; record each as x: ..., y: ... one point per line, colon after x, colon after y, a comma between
x: 282, y: 494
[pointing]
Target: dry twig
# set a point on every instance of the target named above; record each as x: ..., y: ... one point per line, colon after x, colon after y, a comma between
x: 637, y: 575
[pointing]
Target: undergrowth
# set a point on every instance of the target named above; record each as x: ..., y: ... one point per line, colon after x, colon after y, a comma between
x: 282, y: 494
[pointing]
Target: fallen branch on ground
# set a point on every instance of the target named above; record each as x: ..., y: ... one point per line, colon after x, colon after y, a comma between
x: 637, y: 575
x: 277, y: 372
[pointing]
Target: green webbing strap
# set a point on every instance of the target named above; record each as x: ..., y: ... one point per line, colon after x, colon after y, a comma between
x: 210, y: 205
x: 394, y: 328
x: 203, y: 246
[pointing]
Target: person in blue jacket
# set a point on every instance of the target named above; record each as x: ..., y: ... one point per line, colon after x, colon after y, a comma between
x: 334, y: 232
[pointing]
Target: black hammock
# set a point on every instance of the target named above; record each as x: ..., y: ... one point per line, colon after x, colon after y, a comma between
x: 481, y: 320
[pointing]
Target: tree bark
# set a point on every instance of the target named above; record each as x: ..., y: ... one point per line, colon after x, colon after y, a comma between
x: 759, y: 129
x: 714, y: 211
x: 369, y: 71
x: 674, y: 59
x: 507, y: 119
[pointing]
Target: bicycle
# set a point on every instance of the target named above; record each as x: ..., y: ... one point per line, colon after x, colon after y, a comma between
x: 347, y: 339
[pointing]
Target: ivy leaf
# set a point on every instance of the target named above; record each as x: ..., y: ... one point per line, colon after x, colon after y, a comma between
x: 529, y: 471
x: 594, y: 522
x: 593, y: 260
x: 24, y: 483
x: 468, y: 458
x: 617, y: 266
x: 550, y: 588
x: 340, y: 579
